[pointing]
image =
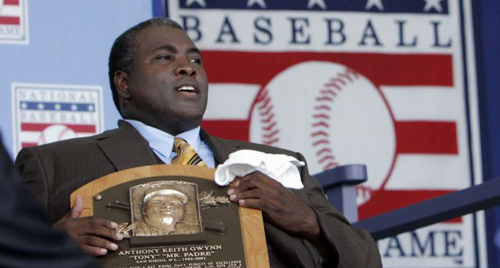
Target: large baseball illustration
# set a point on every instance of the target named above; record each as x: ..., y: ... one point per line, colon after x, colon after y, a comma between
x: 331, y: 114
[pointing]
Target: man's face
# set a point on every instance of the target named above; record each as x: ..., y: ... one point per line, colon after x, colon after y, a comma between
x: 165, y: 206
x: 167, y: 82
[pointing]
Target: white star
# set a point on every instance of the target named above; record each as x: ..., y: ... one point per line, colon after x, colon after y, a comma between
x: 320, y: 3
x: 40, y: 106
x: 261, y: 3
x: 57, y: 106
x: 376, y: 3
x: 430, y: 4
x: 200, y: 2
x: 74, y: 107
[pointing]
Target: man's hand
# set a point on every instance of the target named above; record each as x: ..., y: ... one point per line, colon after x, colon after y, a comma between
x: 91, y: 234
x: 279, y: 205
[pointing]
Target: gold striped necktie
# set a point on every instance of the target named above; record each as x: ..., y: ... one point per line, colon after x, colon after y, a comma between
x: 185, y: 154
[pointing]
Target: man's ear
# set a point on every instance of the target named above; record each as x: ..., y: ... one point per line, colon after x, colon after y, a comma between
x: 121, y: 83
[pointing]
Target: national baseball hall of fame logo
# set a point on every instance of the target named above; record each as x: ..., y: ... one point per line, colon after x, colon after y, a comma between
x: 386, y: 83
x: 49, y: 113
x: 13, y: 21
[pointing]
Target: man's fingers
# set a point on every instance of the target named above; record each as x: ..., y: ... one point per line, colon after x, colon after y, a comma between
x: 257, y: 190
x: 95, y: 241
x: 98, y: 227
x: 250, y: 194
x: 95, y: 245
x: 77, y: 208
x: 278, y: 204
x: 90, y: 226
x: 96, y: 251
x: 254, y: 203
x: 91, y: 234
x: 103, y: 222
x: 74, y: 213
x: 256, y: 180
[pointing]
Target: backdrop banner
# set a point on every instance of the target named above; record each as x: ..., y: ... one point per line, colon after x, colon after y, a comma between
x: 387, y: 83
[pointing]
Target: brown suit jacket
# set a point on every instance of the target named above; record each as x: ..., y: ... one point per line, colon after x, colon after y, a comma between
x: 55, y: 170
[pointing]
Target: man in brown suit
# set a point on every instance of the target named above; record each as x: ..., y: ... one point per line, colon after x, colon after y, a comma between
x: 160, y: 88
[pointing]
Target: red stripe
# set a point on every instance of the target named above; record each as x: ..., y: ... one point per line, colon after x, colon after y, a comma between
x: 419, y: 69
x: 387, y: 200
x: 28, y: 144
x: 41, y: 127
x: 228, y: 129
x: 11, y: 2
x: 426, y: 137
x: 10, y: 20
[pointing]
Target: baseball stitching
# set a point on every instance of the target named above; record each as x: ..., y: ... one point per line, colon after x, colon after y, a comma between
x: 65, y: 130
x: 269, y: 125
x: 321, y: 116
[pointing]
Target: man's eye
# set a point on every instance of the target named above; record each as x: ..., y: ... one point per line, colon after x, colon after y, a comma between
x: 165, y: 57
x: 195, y: 60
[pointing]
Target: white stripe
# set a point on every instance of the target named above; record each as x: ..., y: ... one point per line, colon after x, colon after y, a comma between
x: 429, y: 172
x: 29, y: 136
x: 10, y: 11
x: 230, y: 101
x: 424, y: 103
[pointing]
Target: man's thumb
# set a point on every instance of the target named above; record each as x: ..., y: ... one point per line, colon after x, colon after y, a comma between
x: 77, y: 208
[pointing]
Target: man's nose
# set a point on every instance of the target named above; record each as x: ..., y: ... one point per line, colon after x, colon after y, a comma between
x: 185, y: 69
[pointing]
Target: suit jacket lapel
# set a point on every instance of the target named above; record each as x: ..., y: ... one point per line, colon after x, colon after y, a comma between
x: 220, y: 149
x: 126, y: 148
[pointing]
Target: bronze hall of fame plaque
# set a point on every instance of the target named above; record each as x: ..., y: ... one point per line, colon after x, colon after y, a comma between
x: 175, y: 216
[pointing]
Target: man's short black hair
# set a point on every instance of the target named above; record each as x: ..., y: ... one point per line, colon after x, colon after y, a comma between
x: 124, y: 47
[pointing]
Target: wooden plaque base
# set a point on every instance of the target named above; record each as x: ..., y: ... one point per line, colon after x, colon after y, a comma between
x: 252, y: 229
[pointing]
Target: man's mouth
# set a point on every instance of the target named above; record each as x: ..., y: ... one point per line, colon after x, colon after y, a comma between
x: 187, y: 89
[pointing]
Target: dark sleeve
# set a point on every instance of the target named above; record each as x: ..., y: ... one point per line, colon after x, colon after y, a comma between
x: 26, y: 237
x: 353, y: 247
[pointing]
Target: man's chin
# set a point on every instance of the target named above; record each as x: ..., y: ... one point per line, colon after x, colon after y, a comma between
x: 187, y: 122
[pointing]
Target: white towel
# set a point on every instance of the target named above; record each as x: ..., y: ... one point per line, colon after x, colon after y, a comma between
x: 280, y: 167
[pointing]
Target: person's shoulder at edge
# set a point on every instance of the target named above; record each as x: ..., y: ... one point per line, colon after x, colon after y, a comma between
x: 27, y: 222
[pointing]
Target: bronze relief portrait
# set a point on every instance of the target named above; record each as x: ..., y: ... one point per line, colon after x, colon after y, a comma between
x: 165, y: 208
